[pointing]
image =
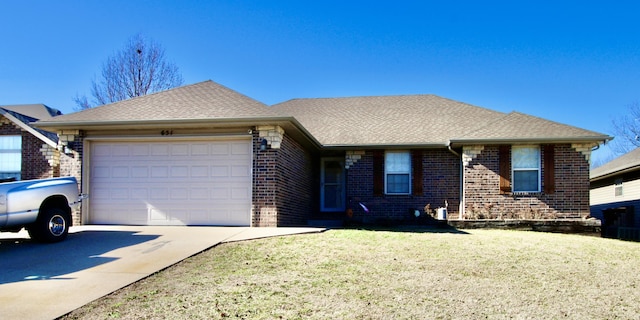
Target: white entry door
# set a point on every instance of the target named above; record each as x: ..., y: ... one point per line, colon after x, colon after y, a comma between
x: 205, y: 182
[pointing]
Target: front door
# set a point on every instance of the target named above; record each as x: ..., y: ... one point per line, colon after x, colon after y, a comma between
x: 332, y: 190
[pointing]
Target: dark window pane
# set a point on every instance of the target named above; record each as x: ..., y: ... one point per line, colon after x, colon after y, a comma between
x: 397, y: 183
x: 525, y: 180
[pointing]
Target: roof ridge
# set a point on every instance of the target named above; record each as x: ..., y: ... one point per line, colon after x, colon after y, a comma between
x: 363, y: 96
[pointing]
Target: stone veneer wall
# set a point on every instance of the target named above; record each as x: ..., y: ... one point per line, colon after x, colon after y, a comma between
x: 483, y: 199
x: 440, y: 181
x: 71, y: 160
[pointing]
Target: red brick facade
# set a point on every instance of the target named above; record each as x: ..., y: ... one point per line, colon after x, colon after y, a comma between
x: 286, y: 185
x: 41, y: 161
x: 265, y: 197
x: 570, y: 199
x: 71, y: 161
x: 284, y: 191
x: 440, y: 182
x: 35, y: 164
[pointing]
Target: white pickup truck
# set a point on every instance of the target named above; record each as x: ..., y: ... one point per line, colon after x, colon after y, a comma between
x: 41, y: 206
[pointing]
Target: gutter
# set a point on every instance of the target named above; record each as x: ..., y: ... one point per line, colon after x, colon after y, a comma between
x: 153, y: 123
x: 599, y: 139
x: 178, y: 123
x: 382, y: 146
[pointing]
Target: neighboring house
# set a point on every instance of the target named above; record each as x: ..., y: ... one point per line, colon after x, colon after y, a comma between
x: 615, y: 196
x: 204, y: 154
x: 27, y: 152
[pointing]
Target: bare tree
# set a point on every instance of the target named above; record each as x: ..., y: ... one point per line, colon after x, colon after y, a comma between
x: 138, y: 69
x: 626, y: 129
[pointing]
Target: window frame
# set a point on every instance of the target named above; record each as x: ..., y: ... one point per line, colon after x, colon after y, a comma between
x: 618, y: 190
x: 340, y: 184
x: 404, y: 171
x: 17, y: 151
x: 514, y: 182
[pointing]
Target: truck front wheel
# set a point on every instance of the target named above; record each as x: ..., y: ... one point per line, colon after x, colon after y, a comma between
x: 52, y: 225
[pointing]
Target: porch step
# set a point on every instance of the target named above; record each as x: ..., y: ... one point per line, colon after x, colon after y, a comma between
x: 326, y: 223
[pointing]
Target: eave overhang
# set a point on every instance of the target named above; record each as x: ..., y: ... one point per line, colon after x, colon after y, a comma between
x: 386, y: 146
x: 615, y: 173
x: 596, y: 140
x: 290, y: 124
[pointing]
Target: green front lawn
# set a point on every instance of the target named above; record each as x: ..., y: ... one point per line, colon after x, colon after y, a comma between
x: 359, y: 274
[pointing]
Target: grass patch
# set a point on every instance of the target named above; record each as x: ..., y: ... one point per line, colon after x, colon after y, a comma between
x: 357, y: 274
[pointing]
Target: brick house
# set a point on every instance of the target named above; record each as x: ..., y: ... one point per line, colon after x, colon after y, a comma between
x: 615, y: 196
x: 27, y: 152
x: 204, y: 154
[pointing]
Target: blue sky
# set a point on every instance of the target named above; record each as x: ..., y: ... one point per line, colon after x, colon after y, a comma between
x: 575, y: 62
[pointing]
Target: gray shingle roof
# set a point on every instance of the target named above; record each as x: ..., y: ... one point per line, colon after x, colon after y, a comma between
x: 627, y: 161
x: 420, y: 119
x: 27, y: 114
x: 36, y: 111
x: 406, y: 120
x: 520, y: 126
x: 200, y: 101
x: 385, y: 120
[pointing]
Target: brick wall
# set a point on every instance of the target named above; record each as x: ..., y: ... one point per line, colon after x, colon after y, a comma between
x: 440, y: 183
x: 283, y: 180
x: 296, y: 183
x: 71, y: 160
x: 570, y: 199
x: 264, y: 186
x: 41, y: 161
x: 35, y: 164
x: 71, y: 166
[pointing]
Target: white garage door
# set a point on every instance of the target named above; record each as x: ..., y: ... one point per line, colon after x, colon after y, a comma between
x: 170, y: 183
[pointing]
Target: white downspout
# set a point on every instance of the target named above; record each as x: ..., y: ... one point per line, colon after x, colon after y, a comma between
x: 462, y: 196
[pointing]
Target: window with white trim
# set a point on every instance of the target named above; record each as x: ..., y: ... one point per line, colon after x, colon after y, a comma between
x: 10, y: 157
x: 618, y: 188
x: 525, y: 162
x: 397, y: 172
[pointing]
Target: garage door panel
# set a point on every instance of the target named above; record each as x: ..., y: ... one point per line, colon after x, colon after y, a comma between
x: 180, y: 194
x: 179, y: 149
x: 180, y: 183
x: 220, y: 149
x: 240, y: 148
x: 240, y: 193
x: 201, y: 172
x: 140, y: 150
x: 240, y: 171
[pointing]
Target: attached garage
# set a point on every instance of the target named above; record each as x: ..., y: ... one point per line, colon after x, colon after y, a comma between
x: 200, y: 154
x: 170, y: 182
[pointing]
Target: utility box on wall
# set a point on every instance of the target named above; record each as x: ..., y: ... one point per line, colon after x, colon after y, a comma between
x: 442, y: 213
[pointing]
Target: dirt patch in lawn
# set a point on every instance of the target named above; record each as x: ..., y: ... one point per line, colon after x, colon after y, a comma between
x: 358, y: 274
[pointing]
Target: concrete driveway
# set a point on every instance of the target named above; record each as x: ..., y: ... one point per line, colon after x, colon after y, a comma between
x: 45, y: 281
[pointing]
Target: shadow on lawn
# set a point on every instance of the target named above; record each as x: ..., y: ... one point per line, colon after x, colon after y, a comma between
x: 435, y: 227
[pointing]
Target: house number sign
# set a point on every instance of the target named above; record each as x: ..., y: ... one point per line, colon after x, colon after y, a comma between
x: 166, y: 132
